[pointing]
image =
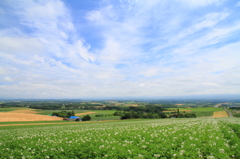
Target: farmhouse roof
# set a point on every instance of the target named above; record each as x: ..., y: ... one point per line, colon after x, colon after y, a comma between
x: 73, y: 117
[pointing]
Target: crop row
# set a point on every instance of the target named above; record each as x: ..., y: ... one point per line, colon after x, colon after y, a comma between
x: 163, y: 138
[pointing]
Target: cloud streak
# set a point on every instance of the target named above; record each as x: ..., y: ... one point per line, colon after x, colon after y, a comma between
x: 50, y: 49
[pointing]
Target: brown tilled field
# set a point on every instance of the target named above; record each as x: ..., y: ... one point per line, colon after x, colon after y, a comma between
x: 220, y: 114
x: 9, y: 116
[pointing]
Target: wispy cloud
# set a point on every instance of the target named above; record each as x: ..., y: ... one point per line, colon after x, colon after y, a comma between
x: 131, y: 48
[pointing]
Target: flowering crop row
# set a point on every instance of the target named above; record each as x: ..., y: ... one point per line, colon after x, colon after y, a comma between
x: 163, y: 138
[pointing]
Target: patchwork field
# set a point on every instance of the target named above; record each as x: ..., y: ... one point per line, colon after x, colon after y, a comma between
x: 208, y: 138
x: 28, y: 114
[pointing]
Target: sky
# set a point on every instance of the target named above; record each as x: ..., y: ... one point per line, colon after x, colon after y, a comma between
x: 119, y: 48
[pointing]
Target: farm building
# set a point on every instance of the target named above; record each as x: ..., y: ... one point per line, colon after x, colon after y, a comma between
x: 74, y: 118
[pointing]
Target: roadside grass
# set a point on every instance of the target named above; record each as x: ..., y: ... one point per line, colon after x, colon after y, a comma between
x: 236, y: 113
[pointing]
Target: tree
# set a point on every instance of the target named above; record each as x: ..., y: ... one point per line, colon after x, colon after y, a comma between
x: 86, y: 118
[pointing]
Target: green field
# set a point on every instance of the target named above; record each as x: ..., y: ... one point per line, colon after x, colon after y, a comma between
x: 8, y: 109
x: 200, y: 112
x: 203, y: 109
x: 199, y: 138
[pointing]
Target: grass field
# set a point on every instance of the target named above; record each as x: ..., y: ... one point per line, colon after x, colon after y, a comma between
x: 203, y: 109
x: 201, y: 112
x: 199, y: 138
x: 8, y: 109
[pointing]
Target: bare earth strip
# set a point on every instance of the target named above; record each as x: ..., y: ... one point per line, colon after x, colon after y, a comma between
x: 26, y: 117
x: 220, y: 114
x: 85, y: 113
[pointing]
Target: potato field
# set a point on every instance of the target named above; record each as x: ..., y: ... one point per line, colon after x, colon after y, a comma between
x: 206, y: 138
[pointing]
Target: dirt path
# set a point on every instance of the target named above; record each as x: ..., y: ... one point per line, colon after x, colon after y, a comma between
x: 85, y: 113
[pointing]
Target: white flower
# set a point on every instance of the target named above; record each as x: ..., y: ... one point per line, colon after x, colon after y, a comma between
x: 221, y: 150
x: 156, y: 155
x: 210, y: 157
x: 140, y: 156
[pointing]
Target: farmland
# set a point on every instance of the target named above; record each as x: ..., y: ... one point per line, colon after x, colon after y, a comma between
x: 163, y: 138
x: 27, y: 114
x: 201, y: 112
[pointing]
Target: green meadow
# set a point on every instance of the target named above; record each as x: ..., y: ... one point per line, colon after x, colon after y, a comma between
x: 198, y: 138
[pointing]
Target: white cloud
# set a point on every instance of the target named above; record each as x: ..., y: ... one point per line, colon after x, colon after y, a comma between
x: 148, y: 48
x: 14, y: 45
x: 238, y: 4
x: 200, y: 3
x: 8, y: 79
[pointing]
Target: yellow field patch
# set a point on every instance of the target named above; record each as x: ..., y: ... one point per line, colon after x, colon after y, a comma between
x: 220, y: 114
x: 4, y: 117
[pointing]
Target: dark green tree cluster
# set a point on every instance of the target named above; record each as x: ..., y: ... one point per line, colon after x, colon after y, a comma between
x: 86, y: 118
x: 102, y: 115
x: 64, y: 114
x: 142, y: 115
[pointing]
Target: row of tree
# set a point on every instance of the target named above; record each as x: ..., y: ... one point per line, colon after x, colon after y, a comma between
x: 183, y: 115
x: 102, y: 115
x: 64, y: 114
x: 137, y: 115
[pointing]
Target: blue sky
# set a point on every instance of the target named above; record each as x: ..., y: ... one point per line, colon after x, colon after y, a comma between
x: 119, y: 48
